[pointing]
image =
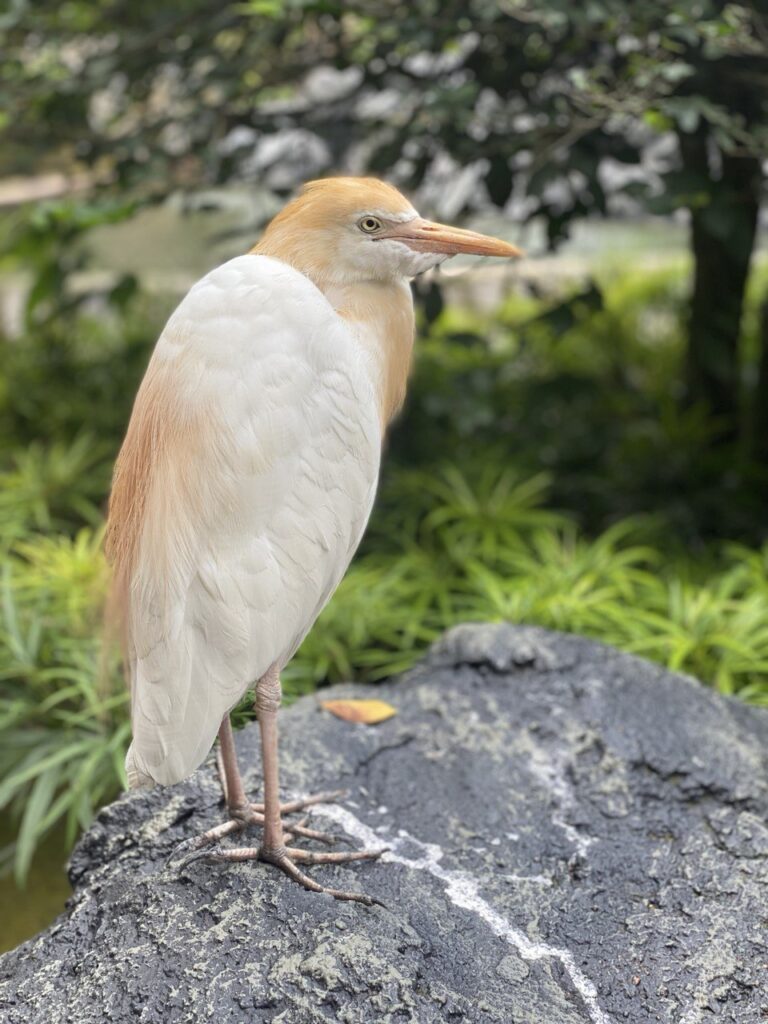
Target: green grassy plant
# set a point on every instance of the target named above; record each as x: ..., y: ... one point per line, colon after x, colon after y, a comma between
x: 62, y: 733
x: 473, y: 549
x: 569, y: 409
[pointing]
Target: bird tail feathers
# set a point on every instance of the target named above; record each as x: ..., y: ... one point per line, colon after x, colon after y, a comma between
x: 137, y: 779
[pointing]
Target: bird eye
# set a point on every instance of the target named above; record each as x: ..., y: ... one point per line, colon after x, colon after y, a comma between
x: 369, y: 224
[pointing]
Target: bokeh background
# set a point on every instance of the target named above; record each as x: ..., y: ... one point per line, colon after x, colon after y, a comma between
x: 585, y: 443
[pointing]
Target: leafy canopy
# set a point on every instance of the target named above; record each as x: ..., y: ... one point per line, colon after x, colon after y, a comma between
x: 143, y: 94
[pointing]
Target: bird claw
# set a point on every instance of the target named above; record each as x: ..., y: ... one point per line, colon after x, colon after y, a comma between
x: 195, y: 855
x: 213, y: 835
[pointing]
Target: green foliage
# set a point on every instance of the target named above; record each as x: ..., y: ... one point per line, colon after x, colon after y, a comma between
x: 591, y: 391
x: 574, y: 405
x: 141, y: 93
x: 49, y: 240
x: 535, y: 96
x: 464, y: 527
x: 463, y: 554
x: 54, y: 487
x: 470, y: 547
x: 63, y: 734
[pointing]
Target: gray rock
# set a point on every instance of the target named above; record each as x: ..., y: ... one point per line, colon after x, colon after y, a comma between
x: 578, y: 837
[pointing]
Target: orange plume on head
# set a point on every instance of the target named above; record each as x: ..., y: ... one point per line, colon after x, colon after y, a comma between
x: 329, y: 200
x: 301, y: 232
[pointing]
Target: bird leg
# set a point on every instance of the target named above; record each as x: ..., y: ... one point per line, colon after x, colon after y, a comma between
x: 273, y: 849
x: 268, y: 698
x: 243, y: 813
x: 270, y: 814
x: 229, y: 770
x: 240, y: 808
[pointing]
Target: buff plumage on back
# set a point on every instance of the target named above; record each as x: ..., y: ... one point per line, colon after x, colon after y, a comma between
x: 162, y: 432
x: 240, y: 494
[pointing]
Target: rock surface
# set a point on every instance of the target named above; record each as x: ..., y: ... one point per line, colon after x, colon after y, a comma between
x: 578, y: 837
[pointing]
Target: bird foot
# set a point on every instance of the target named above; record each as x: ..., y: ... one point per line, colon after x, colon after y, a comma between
x: 207, y: 846
x: 331, y: 796
x: 253, y: 814
x: 245, y: 815
x: 285, y: 859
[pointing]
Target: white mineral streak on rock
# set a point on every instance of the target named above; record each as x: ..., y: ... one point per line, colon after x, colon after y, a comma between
x: 551, y: 774
x: 463, y: 891
x: 693, y: 1016
x: 532, y: 879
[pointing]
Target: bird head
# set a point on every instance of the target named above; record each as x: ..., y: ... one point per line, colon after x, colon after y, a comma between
x: 345, y: 230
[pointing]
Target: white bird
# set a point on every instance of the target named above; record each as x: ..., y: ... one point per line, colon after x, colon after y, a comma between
x: 248, y: 473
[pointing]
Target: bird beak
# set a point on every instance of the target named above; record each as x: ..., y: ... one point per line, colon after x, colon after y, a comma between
x: 427, y: 236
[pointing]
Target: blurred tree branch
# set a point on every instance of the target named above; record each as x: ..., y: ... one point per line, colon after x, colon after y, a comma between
x: 542, y: 91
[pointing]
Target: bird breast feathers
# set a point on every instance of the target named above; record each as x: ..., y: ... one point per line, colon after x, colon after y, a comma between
x: 240, y: 494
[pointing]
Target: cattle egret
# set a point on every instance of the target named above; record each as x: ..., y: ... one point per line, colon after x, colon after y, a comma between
x: 247, y: 476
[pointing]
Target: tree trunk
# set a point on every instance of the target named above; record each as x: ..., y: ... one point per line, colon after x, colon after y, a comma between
x: 760, y: 405
x: 723, y: 230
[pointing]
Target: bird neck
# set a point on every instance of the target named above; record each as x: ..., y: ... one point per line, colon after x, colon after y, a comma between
x: 380, y: 314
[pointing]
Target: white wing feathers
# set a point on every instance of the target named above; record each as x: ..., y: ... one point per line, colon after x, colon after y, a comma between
x: 255, y: 506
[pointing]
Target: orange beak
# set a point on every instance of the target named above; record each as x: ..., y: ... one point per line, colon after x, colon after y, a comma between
x: 427, y: 236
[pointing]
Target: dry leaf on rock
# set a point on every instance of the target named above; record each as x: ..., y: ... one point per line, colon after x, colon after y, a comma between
x: 370, y: 712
